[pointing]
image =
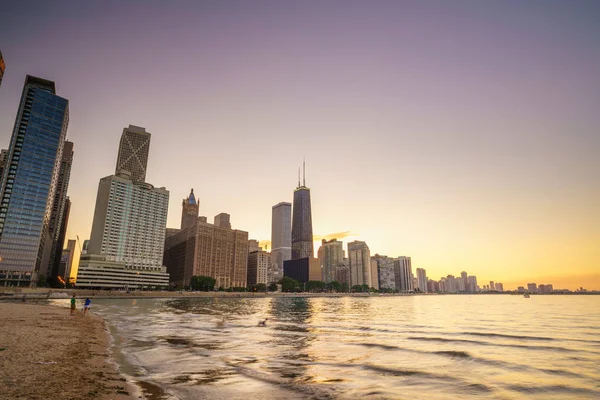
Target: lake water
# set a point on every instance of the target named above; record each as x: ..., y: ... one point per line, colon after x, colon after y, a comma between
x: 379, y: 347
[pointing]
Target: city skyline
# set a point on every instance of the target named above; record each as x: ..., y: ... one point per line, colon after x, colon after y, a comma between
x: 497, y: 174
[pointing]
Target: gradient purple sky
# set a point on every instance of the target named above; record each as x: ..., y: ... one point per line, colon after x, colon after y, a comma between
x: 465, y: 134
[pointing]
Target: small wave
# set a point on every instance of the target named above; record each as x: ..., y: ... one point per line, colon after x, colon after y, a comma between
x: 501, y: 335
x: 553, y: 389
x: 454, y: 354
x: 519, y: 346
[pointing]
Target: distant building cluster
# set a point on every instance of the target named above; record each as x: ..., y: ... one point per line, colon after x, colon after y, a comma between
x: 130, y: 246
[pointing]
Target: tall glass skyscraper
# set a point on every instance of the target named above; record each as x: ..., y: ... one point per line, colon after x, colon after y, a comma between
x: 29, y: 181
x: 302, y: 234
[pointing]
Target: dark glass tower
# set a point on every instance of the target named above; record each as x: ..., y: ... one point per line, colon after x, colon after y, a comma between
x: 29, y: 181
x: 302, y: 234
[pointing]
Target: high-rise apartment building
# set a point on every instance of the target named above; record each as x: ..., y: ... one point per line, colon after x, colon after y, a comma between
x: 281, y: 239
x: 208, y: 250
x: 60, y: 211
x: 374, y: 275
x: 385, y: 272
x: 69, y: 251
x: 403, y: 274
x: 359, y: 263
x: 331, y: 257
x: 342, y: 273
x: 189, y: 211
x: 302, y: 234
x: 258, y: 265
x: 472, y: 284
x: 422, y: 280
x: 133, y: 153
x: 532, y: 288
x: 499, y: 287
x: 2, y: 67
x: 3, y: 157
x: 29, y: 182
x: 451, y: 284
x: 129, y: 226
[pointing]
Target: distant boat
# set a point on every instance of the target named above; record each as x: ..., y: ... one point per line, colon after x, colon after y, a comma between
x: 526, y: 295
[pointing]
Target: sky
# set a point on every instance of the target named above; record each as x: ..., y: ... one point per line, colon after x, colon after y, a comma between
x: 464, y: 134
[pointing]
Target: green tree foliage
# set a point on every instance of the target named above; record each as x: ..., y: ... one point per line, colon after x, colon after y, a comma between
x: 273, y: 287
x: 345, y: 287
x: 288, y: 284
x: 335, y: 286
x: 204, y: 283
x: 315, y: 286
x: 259, y: 287
x: 41, y: 281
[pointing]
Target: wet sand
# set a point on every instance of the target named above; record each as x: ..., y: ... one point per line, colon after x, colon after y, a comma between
x: 47, y: 354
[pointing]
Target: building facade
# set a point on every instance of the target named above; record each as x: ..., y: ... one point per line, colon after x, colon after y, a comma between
x: 258, y: 265
x: 303, y: 269
x: 331, y: 257
x: 60, y: 211
x: 29, y: 182
x: 134, y: 148
x: 422, y: 280
x: 208, y: 250
x: 281, y: 239
x: 403, y: 274
x: 359, y: 263
x: 190, y: 209
x: 385, y: 272
x: 302, y: 234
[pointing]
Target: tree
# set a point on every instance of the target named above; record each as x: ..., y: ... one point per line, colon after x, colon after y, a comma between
x: 273, y: 287
x: 288, y: 284
x: 314, y: 286
x: 335, y: 286
x: 41, y: 281
x: 259, y: 287
x: 345, y: 287
x: 205, y: 283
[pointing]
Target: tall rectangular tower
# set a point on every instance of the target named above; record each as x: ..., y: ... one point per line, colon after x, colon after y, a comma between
x: 302, y: 234
x: 331, y: 257
x: 30, y: 180
x: 403, y: 274
x: 422, y: 280
x: 281, y: 239
x: 133, y: 152
x: 189, y: 211
x: 359, y: 257
x: 60, y: 210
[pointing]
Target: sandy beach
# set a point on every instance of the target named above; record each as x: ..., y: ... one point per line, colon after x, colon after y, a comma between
x: 47, y: 354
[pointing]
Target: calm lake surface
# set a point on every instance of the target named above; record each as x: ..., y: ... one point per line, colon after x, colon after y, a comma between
x: 403, y: 347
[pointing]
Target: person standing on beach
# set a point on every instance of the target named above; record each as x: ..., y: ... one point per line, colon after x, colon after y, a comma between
x: 73, y: 305
x: 86, y: 306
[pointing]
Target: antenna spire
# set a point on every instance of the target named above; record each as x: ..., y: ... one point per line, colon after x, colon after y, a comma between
x: 303, y: 172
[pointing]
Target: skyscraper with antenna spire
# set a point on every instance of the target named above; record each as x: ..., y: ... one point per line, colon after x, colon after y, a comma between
x: 302, y: 234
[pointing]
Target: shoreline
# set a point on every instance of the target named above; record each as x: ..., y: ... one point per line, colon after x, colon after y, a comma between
x: 46, y: 353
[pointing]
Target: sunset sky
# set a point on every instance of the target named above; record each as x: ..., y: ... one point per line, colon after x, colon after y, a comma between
x: 465, y: 134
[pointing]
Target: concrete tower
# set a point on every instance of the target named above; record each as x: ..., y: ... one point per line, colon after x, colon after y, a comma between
x: 302, y: 234
x: 281, y: 239
x: 189, y: 212
x: 133, y: 152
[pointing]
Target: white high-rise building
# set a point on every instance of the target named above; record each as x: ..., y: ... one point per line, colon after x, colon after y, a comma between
x: 359, y: 262
x: 128, y: 235
x: 258, y: 265
x: 403, y: 274
x: 385, y: 272
x: 422, y: 280
x: 281, y: 239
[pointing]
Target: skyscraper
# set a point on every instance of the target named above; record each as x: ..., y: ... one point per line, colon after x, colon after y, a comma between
x: 29, y: 181
x: 70, y: 252
x: 302, y: 234
x: 359, y: 262
x: 331, y: 257
x: 403, y: 274
x: 189, y: 211
x: 385, y: 272
x: 223, y: 220
x: 129, y: 226
x: 258, y: 265
x: 60, y: 211
x: 281, y: 239
x: 422, y: 280
x: 133, y: 152
x: 2, y: 67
